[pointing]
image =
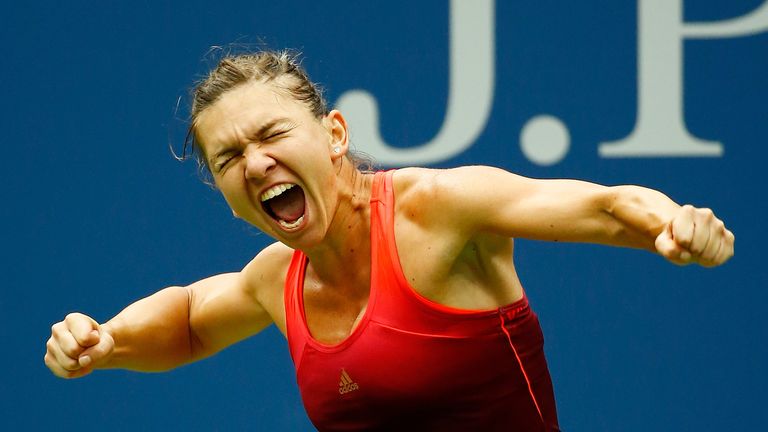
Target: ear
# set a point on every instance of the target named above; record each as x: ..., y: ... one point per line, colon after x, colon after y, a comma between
x: 336, y: 125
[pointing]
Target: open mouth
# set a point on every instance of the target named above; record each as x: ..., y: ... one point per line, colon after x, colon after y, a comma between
x: 285, y: 204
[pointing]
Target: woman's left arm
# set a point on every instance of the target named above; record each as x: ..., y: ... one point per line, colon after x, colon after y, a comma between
x: 483, y: 199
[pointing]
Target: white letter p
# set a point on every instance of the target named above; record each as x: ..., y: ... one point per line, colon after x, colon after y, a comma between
x: 660, y: 126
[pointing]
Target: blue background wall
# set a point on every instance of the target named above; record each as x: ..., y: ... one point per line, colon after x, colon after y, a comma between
x: 96, y: 213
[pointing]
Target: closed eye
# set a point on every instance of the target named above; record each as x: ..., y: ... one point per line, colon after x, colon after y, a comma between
x: 224, y: 161
x: 275, y: 136
x: 275, y: 130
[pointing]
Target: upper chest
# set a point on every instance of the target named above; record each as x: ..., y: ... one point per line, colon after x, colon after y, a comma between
x: 430, y: 264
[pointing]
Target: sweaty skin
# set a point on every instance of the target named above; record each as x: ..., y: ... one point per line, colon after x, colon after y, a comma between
x: 454, y: 231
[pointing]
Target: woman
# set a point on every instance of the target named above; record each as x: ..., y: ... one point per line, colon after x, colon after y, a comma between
x: 397, y: 291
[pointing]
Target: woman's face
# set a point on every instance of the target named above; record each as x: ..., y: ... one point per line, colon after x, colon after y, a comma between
x: 274, y: 161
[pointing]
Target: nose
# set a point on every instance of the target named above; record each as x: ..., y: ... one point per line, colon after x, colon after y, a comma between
x: 257, y: 163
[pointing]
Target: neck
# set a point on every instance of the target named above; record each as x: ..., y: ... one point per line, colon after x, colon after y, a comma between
x: 346, y: 244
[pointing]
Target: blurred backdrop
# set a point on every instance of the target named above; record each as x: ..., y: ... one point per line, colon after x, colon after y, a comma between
x: 669, y: 94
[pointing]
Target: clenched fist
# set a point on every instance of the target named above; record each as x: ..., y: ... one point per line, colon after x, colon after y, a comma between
x: 76, y: 346
x: 695, y: 236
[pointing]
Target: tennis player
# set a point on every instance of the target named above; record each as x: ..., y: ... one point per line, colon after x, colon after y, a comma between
x: 396, y: 290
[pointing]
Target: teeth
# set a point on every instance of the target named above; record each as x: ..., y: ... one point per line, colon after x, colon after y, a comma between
x: 296, y: 223
x: 275, y: 191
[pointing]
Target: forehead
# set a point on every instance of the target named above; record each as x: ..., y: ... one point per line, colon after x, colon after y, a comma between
x: 243, y: 109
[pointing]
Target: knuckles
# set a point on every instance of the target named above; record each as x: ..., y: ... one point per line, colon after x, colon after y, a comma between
x: 59, y: 358
x: 57, y: 327
x: 705, y: 214
x: 719, y: 226
x: 699, y: 236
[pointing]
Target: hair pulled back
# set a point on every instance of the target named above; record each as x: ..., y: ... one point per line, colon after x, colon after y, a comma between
x: 282, y: 69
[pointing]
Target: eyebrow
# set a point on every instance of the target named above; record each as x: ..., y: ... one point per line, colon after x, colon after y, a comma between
x: 257, y: 136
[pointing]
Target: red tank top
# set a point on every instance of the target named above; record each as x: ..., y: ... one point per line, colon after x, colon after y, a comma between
x: 413, y: 364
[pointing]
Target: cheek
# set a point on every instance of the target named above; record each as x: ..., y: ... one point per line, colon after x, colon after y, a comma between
x: 232, y: 191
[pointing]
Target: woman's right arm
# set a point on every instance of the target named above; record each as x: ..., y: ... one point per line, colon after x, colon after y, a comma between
x: 170, y: 328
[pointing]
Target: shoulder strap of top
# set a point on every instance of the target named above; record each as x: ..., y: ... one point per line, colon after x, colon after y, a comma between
x: 382, y: 215
x: 385, y: 264
x: 294, y: 280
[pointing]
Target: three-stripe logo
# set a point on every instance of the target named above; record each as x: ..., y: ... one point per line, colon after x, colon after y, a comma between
x: 346, y: 384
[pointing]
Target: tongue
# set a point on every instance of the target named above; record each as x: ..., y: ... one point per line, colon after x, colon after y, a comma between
x: 289, y: 205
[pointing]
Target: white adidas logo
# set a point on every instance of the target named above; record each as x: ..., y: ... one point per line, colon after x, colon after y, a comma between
x: 346, y: 384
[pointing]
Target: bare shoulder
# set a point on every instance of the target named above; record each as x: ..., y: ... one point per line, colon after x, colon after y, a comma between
x: 442, y: 182
x: 439, y: 193
x: 265, y: 274
x: 270, y: 265
x: 414, y: 186
x: 270, y: 256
